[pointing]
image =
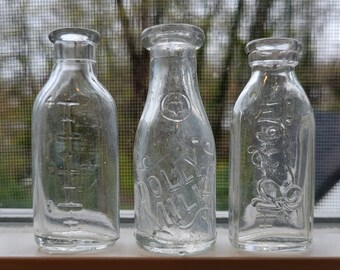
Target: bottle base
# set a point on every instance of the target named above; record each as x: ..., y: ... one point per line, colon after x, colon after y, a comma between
x: 73, y: 242
x: 272, y: 244
x: 170, y: 248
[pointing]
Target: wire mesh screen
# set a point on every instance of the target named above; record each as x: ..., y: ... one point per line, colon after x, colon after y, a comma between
x: 26, y: 58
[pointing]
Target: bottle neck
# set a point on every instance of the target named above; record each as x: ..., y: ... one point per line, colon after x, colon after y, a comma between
x: 275, y: 78
x: 74, y: 50
x: 75, y: 66
x: 173, y: 68
x: 74, y: 57
x: 273, y: 68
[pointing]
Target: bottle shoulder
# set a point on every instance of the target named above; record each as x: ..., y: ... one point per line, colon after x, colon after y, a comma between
x: 256, y: 93
x: 193, y: 123
x: 159, y: 132
x: 287, y: 107
x: 161, y: 142
x: 65, y: 88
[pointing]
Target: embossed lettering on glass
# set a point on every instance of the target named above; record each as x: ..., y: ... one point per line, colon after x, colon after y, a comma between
x: 174, y: 154
x: 75, y: 151
x: 271, y: 192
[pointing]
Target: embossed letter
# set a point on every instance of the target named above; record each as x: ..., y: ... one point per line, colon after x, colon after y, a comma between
x: 155, y: 186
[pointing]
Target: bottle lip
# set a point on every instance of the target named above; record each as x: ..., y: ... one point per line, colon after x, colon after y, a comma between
x: 74, y: 35
x: 273, y: 52
x: 177, y: 33
x: 273, y: 44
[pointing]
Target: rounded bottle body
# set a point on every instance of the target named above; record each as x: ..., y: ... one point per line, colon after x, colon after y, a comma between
x: 75, y: 156
x: 271, y: 192
x: 174, y: 154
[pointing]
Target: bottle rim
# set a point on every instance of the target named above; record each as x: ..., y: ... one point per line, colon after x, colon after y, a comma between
x: 273, y: 44
x: 74, y: 34
x: 273, y: 52
x: 176, y: 32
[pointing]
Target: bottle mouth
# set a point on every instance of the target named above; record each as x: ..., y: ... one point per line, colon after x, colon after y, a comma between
x: 273, y: 52
x: 74, y: 35
x: 172, y: 33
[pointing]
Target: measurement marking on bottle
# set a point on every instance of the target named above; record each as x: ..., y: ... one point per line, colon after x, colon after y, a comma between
x: 69, y: 188
x: 50, y: 103
x: 70, y: 206
x: 68, y: 103
x: 70, y: 222
x: 68, y: 154
x: 73, y: 137
x: 67, y: 120
x: 69, y: 172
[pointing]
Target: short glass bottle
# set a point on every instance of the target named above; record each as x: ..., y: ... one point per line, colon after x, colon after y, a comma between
x: 271, y: 190
x: 75, y: 151
x: 174, y: 153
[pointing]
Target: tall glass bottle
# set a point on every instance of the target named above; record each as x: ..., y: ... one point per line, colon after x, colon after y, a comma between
x: 75, y: 151
x: 272, y: 153
x: 174, y: 154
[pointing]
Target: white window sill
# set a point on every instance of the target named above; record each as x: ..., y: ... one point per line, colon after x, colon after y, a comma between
x: 19, y: 251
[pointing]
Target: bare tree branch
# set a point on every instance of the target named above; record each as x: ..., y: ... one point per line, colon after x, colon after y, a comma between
x: 207, y: 23
x: 257, y: 29
x: 139, y: 59
x: 224, y: 82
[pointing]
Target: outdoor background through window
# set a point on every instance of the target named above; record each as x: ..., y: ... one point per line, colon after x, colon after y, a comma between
x: 26, y: 58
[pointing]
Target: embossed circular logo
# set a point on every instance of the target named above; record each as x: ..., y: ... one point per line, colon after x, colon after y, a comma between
x: 175, y: 107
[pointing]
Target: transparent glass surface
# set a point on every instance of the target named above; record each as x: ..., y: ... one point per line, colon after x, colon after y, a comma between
x: 75, y: 151
x: 174, y: 153
x: 271, y: 192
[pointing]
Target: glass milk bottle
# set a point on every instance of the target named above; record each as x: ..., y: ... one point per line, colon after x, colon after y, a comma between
x: 271, y: 192
x: 174, y: 153
x: 75, y: 151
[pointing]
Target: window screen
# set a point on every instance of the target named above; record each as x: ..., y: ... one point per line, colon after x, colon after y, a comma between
x: 26, y: 58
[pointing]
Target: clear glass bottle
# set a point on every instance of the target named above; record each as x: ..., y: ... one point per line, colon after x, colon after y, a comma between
x: 174, y: 153
x: 75, y: 151
x: 271, y: 190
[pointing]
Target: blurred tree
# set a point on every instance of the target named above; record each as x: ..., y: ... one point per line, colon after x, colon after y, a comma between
x: 257, y: 29
x: 123, y: 65
x: 139, y: 58
x: 222, y: 88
